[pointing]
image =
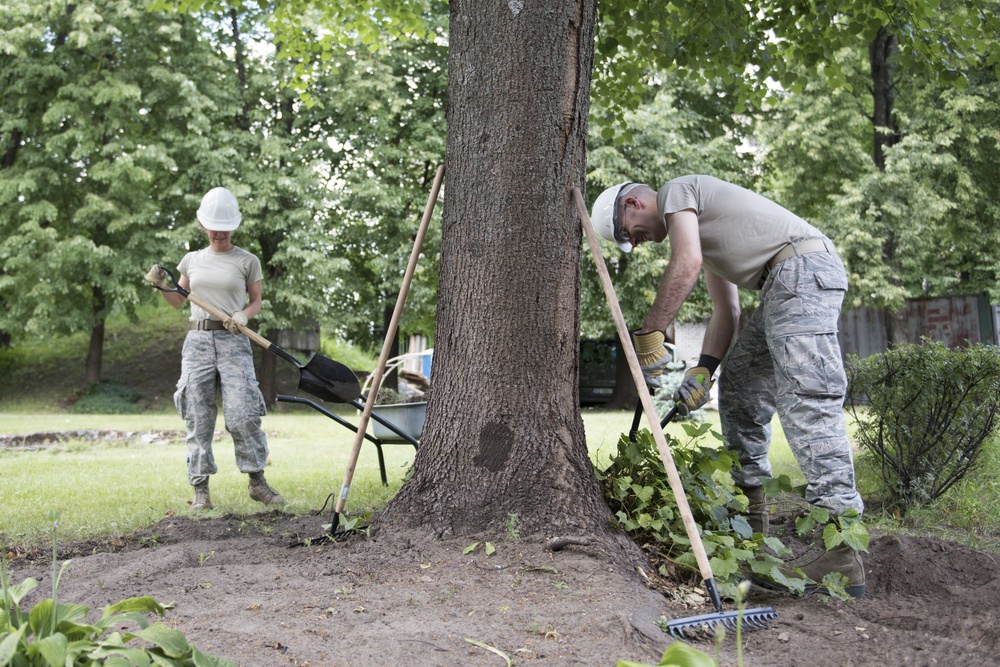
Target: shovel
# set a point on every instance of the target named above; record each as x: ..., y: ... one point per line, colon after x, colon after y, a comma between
x: 691, y: 627
x: 322, y: 377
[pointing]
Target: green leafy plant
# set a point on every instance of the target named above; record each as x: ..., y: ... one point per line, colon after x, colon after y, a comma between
x: 57, y: 633
x: 638, y: 491
x: 512, y: 525
x: 929, y: 411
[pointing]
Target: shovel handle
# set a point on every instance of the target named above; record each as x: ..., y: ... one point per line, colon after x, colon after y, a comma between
x: 220, y: 315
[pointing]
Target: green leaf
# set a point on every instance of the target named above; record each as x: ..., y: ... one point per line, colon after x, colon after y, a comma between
x: 8, y: 647
x: 206, y: 660
x: 469, y: 549
x: 490, y: 549
x: 680, y: 654
x: 832, y: 536
x: 173, y: 643
x: 857, y: 536
x: 144, y: 603
x: 53, y: 649
x: 741, y: 526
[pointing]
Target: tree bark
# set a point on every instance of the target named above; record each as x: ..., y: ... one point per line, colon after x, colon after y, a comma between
x: 95, y: 350
x: 269, y: 373
x: 504, y: 433
x: 881, y: 52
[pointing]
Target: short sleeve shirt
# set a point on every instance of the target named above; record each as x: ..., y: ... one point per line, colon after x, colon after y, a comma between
x: 739, y: 230
x: 220, y: 278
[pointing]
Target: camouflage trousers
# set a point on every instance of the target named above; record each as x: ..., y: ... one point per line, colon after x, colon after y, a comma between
x: 787, y: 360
x: 213, y: 361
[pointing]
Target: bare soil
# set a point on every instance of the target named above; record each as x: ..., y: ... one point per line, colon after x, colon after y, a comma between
x: 273, y: 591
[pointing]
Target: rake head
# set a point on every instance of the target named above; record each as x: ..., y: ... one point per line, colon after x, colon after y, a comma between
x: 707, y: 626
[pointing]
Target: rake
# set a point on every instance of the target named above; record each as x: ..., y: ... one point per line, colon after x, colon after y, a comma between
x: 693, y: 627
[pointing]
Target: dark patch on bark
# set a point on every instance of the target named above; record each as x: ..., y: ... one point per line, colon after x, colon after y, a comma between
x: 495, y: 443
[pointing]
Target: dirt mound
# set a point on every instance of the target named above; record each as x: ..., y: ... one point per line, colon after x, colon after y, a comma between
x: 241, y: 591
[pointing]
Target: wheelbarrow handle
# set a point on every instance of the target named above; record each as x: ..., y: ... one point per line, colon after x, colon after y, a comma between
x: 219, y: 314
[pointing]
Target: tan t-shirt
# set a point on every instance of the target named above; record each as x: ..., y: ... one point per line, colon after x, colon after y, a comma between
x: 220, y: 278
x: 739, y: 230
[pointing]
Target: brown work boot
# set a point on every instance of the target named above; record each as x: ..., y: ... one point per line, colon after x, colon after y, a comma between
x: 202, y: 500
x: 841, y: 559
x: 756, y: 512
x: 262, y: 492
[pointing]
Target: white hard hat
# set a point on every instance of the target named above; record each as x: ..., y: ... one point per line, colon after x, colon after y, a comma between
x: 604, y: 215
x: 219, y: 211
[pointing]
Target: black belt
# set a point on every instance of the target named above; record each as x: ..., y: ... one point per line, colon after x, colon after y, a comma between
x: 791, y: 250
x: 206, y: 325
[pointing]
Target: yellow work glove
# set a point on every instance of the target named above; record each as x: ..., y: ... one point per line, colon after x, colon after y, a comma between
x: 693, y: 391
x: 235, y: 321
x: 653, y: 355
x: 157, y: 277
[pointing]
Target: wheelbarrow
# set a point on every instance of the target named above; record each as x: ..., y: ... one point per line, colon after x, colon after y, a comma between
x: 384, y: 431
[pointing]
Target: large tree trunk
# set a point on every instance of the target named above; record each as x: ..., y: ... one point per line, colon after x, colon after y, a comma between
x: 504, y: 433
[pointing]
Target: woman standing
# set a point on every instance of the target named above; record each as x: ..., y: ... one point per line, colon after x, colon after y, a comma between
x: 216, y: 356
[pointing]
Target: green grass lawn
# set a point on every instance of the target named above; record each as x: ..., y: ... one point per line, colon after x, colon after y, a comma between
x: 107, y: 489
x: 116, y: 488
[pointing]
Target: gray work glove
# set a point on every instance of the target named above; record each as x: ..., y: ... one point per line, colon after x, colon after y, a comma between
x: 158, y: 277
x: 653, y: 355
x: 693, y: 391
x: 235, y: 321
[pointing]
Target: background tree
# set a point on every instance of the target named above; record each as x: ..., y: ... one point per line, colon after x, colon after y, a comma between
x: 95, y: 104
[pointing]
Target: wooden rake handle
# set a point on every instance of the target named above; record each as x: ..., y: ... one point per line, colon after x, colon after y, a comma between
x: 387, y: 345
x: 647, y: 402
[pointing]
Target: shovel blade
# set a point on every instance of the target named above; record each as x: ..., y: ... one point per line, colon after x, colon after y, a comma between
x: 328, y: 380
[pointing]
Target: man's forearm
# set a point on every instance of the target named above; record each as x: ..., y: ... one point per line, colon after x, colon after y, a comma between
x: 719, y: 333
x: 679, y: 279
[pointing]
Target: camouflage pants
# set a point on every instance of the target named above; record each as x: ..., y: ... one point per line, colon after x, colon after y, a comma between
x: 787, y: 359
x: 210, y: 361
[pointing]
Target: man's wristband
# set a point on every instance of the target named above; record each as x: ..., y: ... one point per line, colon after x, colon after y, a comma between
x: 709, y: 362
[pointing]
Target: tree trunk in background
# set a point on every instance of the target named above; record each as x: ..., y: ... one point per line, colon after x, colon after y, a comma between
x: 269, y: 373
x: 504, y: 433
x: 881, y: 52
x: 95, y: 349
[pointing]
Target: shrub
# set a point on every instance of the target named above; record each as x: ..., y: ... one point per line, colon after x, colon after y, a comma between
x: 929, y: 411
x: 638, y: 491
x: 108, y: 398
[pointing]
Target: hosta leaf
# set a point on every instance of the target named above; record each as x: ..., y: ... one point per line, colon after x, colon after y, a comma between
x: 205, y: 660
x: 172, y: 642
x: 144, y: 603
x: 53, y: 648
x: 8, y: 646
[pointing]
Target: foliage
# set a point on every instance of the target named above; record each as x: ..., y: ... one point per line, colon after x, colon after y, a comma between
x: 749, y: 46
x: 110, y: 398
x: 677, y: 654
x: 925, y: 225
x: 57, y: 633
x: 638, y: 490
x: 929, y: 411
x: 97, y: 138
